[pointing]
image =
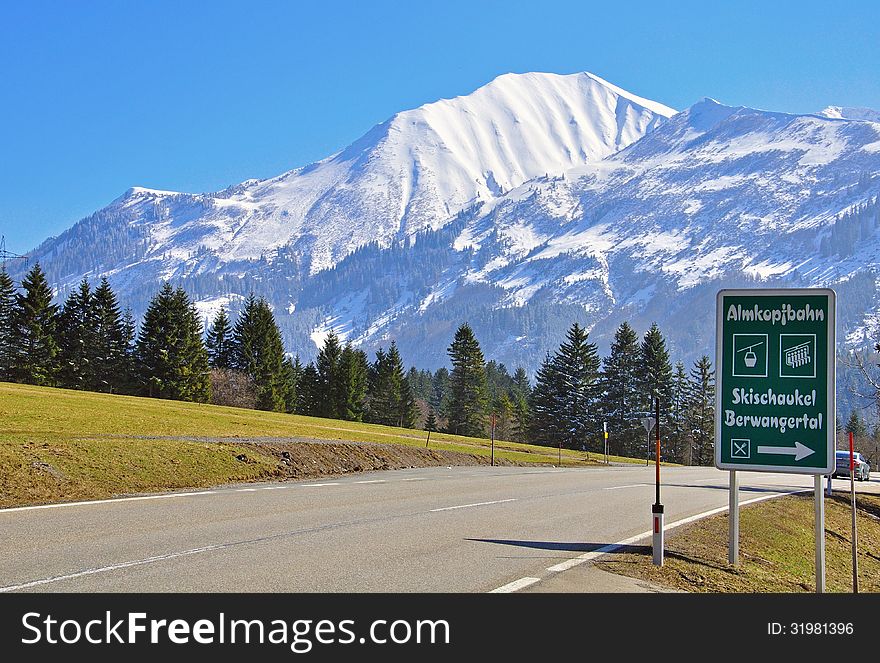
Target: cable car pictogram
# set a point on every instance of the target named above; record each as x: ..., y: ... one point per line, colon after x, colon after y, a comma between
x: 750, y: 358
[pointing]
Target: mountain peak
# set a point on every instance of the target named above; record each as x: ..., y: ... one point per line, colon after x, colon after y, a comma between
x: 850, y: 113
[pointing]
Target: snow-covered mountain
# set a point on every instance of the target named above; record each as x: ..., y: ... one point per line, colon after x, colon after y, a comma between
x: 535, y: 201
x: 851, y: 113
x: 414, y: 171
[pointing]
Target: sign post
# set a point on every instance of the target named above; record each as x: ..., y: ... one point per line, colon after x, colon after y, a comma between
x: 657, y: 507
x: 648, y: 424
x: 493, y: 439
x: 855, y: 530
x: 775, y: 394
x: 605, y: 434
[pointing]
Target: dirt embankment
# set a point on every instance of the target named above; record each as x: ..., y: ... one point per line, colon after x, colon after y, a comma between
x: 304, y: 458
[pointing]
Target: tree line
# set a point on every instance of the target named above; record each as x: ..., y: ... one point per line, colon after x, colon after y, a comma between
x: 90, y: 343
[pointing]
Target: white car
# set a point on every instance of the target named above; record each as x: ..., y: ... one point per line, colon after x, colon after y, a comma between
x: 862, y: 471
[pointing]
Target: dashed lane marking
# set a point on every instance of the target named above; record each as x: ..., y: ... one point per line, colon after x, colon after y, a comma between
x: 466, y: 506
x: 515, y: 586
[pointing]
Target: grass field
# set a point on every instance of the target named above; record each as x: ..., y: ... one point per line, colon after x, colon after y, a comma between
x: 776, y: 549
x: 58, y: 444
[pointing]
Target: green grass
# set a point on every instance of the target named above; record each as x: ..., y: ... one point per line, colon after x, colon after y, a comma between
x: 67, y: 444
x: 776, y: 550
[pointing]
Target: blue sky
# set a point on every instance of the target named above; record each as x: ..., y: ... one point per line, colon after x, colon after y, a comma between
x: 194, y: 96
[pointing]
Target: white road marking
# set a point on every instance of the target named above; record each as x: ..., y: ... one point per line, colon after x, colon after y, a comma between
x: 465, y: 506
x: 515, y: 586
x: 416, y: 479
x: 108, y: 501
x: 372, y: 481
x: 275, y: 487
x: 104, y: 569
x: 246, y: 490
x: 319, y: 485
x: 631, y: 485
x: 611, y: 547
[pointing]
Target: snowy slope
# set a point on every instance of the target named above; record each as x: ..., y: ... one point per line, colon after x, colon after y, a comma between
x: 716, y: 195
x: 537, y: 200
x: 851, y: 113
x: 415, y: 171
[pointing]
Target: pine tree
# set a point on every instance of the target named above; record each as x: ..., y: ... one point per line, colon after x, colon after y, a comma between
x: 502, y: 409
x: 34, y: 332
x: 577, y: 364
x: 219, y: 341
x: 622, y: 401
x: 431, y: 420
x: 856, y: 425
x: 353, y: 370
x: 521, y: 382
x: 702, y: 411
x: 77, y: 335
x: 544, y: 402
x: 172, y: 359
x: 404, y: 402
x: 308, y: 398
x: 330, y: 395
x: 114, y: 333
x: 519, y: 400
x: 7, y: 313
x: 128, y: 375
x: 439, y: 399
x: 656, y: 381
x: 391, y: 401
x: 468, y: 389
x: 257, y: 351
x: 677, y: 435
x: 656, y: 371
x: 293, y: 385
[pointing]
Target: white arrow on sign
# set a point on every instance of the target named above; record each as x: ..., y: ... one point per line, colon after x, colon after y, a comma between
x: 799, y: 451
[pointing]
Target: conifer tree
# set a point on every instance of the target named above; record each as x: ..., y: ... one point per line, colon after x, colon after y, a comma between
x: 329, y: 394
x: 521, y: 382
x: 128, y: 378
x: 622, y: 401
x: 577, y: 364
x: 172, y: 359
x: 656, y: 371
x: 856, y: 425
x: 77, y: 335
x: 34, y: 332
x: 257, y: 350
x: 308, y: 399
x: 219, y: 341
x: 519, y: 401
x: 114, y: 333
x: 544, y: 402
x: 293, y: 385
x: 404, y: 402
x: 431, y: 420
x: 353, y: 370
x: 702, y: 411
x: 468, y: 388
x: 677, y: 434
x: 439, y: 398
x: 7, y: 313
x: 390, y: 398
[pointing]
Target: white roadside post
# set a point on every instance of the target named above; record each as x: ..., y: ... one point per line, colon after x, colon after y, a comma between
x: 657, y: 508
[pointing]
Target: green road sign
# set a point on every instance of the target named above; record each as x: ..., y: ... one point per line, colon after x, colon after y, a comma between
x: 775, y: 392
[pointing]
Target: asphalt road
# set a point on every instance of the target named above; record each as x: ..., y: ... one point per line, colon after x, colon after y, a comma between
x: 457, y: 529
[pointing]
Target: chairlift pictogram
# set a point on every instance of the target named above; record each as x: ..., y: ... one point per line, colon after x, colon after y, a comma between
x: 750, y: 358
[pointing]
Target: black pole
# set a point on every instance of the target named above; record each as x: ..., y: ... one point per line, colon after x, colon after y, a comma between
x: 657, y: 449
x: 493, y: 439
